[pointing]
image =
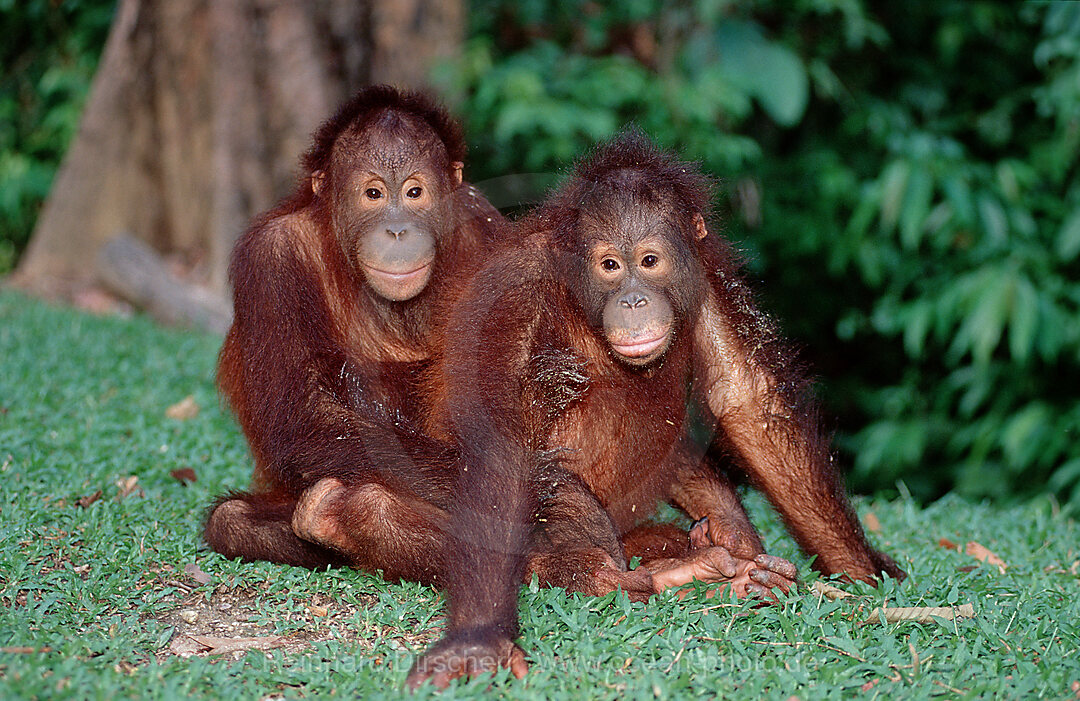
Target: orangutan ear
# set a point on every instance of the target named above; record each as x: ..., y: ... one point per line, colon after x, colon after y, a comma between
x: 699, y: 226
x: 457, y: 168
x: 318, y: 177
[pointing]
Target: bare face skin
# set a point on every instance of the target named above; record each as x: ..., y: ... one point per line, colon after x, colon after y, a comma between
x: 638, y: 280
x: 389, y: 194
x: 637, y: 318
x: 397, y: 252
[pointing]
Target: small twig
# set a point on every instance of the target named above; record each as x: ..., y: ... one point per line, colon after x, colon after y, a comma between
x: 1011, y: 619
x: 675, y: 661
x: 220, y: 646
x: 731, y: 622
x: 950, y: 688
x: 184, y: 588
x: 1053, y: 638
x: 800, y: 643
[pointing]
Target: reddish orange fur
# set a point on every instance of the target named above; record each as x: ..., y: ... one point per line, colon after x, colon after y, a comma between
x: 525, y: 371
x: 323, y: 373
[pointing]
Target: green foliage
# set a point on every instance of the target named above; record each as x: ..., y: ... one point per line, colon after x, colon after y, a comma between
x: 544, y: 81
x: 91, y: 596
x: 902, y: 175
x: 47, y: 59
x: 965, y: 241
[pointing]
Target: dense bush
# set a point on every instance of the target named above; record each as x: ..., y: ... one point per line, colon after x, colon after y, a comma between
x: 47, y: 59
x: 902, y: 175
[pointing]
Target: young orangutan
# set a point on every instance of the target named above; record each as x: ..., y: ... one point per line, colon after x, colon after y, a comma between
x: 579, y: 341
x: 335, y: 292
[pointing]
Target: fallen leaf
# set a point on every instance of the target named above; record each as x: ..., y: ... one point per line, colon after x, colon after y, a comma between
x: 186, y: 408
x: 88, y: 500
x: 921, y: 614
x: 872, y: 523
x: 197, y: 574
x: 948, y: 544
x: 127, y: 485
x: 318, y: 610
x: 967, y: 568
x: 869, y: 685
x: 983, y: 554
x: 21, y: 650
x: 220, y: 646
x: 829, y: 591
x: 184, y: 475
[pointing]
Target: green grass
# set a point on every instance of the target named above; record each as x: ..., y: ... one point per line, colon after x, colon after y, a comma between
x: 92, y: 599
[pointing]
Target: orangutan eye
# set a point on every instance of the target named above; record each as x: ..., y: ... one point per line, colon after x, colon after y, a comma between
x: 649, y: 261
x: 610, y: 265
x: 373, y: 193
x: 414, y: 192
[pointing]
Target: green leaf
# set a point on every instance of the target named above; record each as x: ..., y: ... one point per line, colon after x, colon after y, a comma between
x: 958, y: 194
x: 915, y: 208
x: 993, y: 220
x: 1068, y: 239
x: 978, y: 387
x: 890, y: 446
x: 1054, y: 332
x: 1067, y: 474
x: 988, y: 323
x: 857, y: 227
x: 773, y: 74
x: 1021, y: 437
x: 894, y: 179
x: 982, y: 327
x: 917, y: 325
x: 1023, y: 319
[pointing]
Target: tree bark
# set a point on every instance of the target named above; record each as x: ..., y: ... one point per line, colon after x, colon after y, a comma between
x: 409, y: 36
x: 197, y: 116
x: 135, y: 272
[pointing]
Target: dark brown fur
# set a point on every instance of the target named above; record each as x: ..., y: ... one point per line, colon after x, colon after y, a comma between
x: 622, y: 431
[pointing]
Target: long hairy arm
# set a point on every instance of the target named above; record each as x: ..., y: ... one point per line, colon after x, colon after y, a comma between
x: 747, y: 378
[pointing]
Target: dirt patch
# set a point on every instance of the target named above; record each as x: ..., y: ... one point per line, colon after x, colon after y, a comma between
x: 228, y: 623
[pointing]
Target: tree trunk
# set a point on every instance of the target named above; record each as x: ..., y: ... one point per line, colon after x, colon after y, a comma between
x: 197, y: 116
x: 408, y: 35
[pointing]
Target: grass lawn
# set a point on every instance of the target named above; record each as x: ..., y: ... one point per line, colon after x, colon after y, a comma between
x: 105, y: 597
